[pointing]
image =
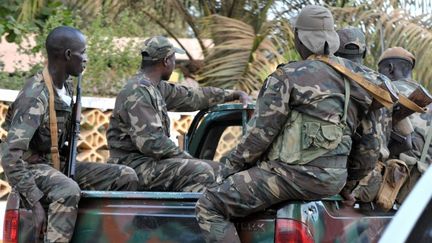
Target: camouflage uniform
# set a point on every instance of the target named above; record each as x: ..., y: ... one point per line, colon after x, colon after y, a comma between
x: 301, y: 107
x: 139, y: 131
x: 293, y: 87
x: 368, y: 188
x: 353, y: 47
x: 421, y: 124
x: 28, y: 167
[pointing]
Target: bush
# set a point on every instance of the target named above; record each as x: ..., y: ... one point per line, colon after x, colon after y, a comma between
x: 109, y: 64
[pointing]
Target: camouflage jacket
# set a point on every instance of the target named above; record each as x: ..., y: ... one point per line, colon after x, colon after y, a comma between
x: 28, y: 139
x: 421, y: 123
x: 313, y: 88
x: 140, y: 122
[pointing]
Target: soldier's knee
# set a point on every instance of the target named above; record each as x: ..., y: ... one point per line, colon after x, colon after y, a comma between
x: 128, y: 179
x: 68, y: 190
x: 206, y: 206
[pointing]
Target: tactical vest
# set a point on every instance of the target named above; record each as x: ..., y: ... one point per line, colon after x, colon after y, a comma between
x: 305, y: 138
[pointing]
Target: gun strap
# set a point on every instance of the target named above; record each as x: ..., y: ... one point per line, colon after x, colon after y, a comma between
x: 379, y: 94
x: 403, y: 100
x: 53, y: 120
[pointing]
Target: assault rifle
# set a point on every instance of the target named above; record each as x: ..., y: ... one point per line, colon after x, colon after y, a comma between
x: 75, y: 130
x: 420, y: 97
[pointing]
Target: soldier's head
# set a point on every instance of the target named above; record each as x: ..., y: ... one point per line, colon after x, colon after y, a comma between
x: 396, y: 63
x: 352, y: 44
x: 66, y: 48
x: 314, y: 32
x: 158, y: 54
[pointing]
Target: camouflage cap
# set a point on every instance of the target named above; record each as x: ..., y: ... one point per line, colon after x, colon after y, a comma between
x: 158, y: 47
x: 351, y: 36
x: 315, y: 26
x: 397, y: 52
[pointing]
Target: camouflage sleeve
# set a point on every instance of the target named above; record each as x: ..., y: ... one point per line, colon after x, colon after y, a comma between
x: 270, y: 115
x: 24, y: 123
x: 365, y: 149
x: 182, y: 98
x: 146, y: 129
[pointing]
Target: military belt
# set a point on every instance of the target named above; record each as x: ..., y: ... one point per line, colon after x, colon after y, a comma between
x: 329, y: 162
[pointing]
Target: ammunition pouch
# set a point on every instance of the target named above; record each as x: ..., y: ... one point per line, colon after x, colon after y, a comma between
x: 395, y: 175
x: 305, y: 138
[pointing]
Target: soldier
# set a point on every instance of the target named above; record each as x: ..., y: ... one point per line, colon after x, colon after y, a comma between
x: 297, y: 143
x: 353, y: 47
x: 397, y: 64
x: 352, y: 44
x: 27, y: 160
x: 139, y: 130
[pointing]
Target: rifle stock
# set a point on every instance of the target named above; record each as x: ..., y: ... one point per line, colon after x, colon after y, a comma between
x: 420, y: 97
x: 75, y: 130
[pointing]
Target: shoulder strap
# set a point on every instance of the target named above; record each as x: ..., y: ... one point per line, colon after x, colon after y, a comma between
x: 53, y: 120
x: 378, y: 93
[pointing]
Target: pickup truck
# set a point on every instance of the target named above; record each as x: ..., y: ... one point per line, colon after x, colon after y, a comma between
x: 150, y: 216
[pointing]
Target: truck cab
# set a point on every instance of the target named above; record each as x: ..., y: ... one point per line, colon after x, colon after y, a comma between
x: 106, y: 216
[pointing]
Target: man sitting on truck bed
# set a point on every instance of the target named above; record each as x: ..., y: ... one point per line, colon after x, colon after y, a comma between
x: 298, y: 141
x: 397, y: 64
x: 28, y: 158
x: 139, y: 130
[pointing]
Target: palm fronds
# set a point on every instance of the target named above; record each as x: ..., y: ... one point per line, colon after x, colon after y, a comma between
x: 242, y: 58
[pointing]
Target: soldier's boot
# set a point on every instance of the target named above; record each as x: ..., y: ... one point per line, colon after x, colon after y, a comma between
x: 395, y: 175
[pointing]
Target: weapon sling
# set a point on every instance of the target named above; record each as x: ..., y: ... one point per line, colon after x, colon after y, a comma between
x: 380, y: 94
x: 53, y: 120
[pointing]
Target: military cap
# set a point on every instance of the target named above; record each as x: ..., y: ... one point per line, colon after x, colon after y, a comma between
x: 353, y: 36
x: 397, y: 52
x: 315, y: 27
x: 158, y: 47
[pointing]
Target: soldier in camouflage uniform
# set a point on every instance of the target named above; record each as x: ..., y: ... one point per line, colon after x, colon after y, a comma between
x: 397, y: 64
x: 26, y: 155
x: 139, y: 130
x: 298, y: 141
x: 353, y: 47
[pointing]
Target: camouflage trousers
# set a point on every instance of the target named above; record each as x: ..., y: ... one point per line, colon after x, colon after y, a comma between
x: 173, y: 174
x: 258, y: 188
x: 62, y: 194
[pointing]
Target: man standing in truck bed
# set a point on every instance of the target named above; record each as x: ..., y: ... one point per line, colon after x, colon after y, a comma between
x: 138, y: 134
x: 298, y: 141
x: 28, y: 158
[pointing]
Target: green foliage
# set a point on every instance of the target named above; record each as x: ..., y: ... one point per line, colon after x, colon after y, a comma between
x: 110, y: 60
x: 9, y: 25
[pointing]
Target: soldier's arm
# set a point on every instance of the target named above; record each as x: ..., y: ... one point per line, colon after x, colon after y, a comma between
x: 146, y: 129
x: 270, y: 115
x: 24, y: 124
x: 182, y: 98
x: 365, y: 149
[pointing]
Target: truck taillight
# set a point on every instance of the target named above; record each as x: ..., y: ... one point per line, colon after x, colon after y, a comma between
x: 292, y: 231
x: 10, y: 226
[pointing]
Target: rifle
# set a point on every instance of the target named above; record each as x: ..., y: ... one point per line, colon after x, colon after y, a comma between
x: 417, y: 101
x: 75, y: 130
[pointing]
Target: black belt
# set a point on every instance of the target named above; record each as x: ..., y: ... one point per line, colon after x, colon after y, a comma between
x: 330, y: 162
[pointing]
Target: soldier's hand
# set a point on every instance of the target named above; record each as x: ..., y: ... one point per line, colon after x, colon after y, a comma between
x: 349, y: 199
x: 244, y: 98
x: 39, y: 219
